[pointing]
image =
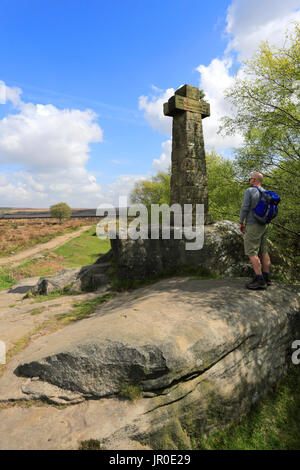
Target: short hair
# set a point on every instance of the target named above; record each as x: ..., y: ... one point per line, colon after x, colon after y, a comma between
x: 258, y: 176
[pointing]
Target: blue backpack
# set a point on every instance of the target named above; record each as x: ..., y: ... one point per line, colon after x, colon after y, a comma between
x: 266, y: 208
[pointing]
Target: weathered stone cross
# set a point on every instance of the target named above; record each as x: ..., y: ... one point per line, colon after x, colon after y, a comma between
x: 188, y: 173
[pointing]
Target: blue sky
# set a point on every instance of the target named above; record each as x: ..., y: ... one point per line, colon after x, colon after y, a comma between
x: 84, y: 83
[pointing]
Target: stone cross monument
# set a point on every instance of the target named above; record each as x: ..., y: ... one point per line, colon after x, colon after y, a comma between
x: 188, y: 173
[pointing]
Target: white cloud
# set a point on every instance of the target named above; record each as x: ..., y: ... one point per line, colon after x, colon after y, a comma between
x: 120, y: 188
x: 153, y: 107
x: 215, y: 78
x: 75, y: 186
x: 44, y: 137
x: 52, y: 148
x: 163, y: 162
x: 250, y: 23
x: 11, y: 94
x: 2, y: 92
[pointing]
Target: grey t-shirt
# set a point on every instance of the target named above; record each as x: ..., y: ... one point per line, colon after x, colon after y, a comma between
x: 251, y: 198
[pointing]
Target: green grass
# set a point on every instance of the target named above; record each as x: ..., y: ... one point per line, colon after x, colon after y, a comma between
x: 53, y: 295
x: 85, y: 308
x: 36, y: 311
x: 9, y: 276
x: 40, y: 240
x: 272, y: 424
x: 6, y: 280
x: 131, y: 392
x: 83, y: 250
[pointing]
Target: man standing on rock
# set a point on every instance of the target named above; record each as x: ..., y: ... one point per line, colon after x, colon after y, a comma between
x: 255, y: 235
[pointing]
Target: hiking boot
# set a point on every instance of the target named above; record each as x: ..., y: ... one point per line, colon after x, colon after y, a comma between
x: 267, y: 280
x: 257, y: 284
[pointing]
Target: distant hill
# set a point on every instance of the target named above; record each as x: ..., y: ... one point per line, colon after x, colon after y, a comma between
x: 24, y: 213
x: 4, y: 210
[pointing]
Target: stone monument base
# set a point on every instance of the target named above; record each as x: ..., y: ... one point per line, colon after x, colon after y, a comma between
x: 222, y: 254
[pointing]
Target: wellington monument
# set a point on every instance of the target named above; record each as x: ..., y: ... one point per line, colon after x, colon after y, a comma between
x: 188, y: 170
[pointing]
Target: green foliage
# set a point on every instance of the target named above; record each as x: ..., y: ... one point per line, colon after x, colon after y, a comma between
x: 60, y: 211
x: 225, y: 192
x: 153, y: 191
x: 267, y: 110
x: 6, y: 280
x: 289, y: 215
x: 267, y: 114
x: 202, y: 95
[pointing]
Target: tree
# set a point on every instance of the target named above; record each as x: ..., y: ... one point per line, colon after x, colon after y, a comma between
x: 61, y: 211
x: 267, y: 114
x: 267, y: 107
x: 224, y: 191
x: 153, y: 191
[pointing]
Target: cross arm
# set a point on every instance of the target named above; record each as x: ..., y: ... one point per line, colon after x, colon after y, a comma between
x: 179, y: 103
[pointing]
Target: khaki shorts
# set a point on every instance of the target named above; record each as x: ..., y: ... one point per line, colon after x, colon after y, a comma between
x: 255, y: 239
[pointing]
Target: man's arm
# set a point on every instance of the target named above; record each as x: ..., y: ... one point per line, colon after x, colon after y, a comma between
x: 246, y: 205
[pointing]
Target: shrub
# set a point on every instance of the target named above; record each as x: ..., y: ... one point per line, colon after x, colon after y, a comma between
x: 61, y: 211
x: 131, y: 392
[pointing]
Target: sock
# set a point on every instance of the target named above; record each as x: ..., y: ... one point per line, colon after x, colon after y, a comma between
x: 259, y: 276
x: 266, y: 275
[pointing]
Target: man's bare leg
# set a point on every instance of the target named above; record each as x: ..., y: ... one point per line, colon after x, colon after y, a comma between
x: 258, y: 281
x: 266, y: 262
x: 256, y: 265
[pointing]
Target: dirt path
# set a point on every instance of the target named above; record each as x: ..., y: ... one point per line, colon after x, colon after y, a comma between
x: 55, y: 427
x: 18, y: 258
x: 37, y: 424
x: 20, y: 316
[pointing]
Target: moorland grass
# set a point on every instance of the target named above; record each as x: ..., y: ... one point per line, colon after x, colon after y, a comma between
x: 18, y: 235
